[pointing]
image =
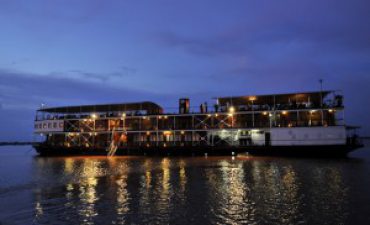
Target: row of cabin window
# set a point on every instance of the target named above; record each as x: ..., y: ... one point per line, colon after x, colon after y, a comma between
x: 49, y: 125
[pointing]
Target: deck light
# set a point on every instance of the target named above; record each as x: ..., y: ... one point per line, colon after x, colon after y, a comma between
x: 123, y: 115
x: 209, y: 115
x: 216, y: 115
x: 252, y: 98
x: 182, y: 132
x: 165, y: 117
x: 330, y: 110
x: 166, y: 133
x: 231, y: 110
x: 159, y: 117
x: 284, y: 112
x: 264, y: 113
x: 148, y: 133
x: 94, y: 116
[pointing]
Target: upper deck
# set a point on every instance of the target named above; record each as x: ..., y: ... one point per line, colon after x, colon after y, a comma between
x: 287, y: 101
x: 276, y: 102
x: 257, y: 111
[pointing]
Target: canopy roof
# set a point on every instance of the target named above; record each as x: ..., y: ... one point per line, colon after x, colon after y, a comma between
x: 150, y: 107
x: 275, y: 98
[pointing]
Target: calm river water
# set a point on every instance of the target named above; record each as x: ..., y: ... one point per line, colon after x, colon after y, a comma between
x: 189, y: 190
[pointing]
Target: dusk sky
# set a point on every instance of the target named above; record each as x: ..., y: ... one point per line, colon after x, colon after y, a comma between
x: 65, y: 52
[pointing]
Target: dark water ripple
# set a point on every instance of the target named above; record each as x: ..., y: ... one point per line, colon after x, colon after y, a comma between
x: 196, y: 190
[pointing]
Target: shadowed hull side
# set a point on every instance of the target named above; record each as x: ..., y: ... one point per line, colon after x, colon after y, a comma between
x: 304, y: 151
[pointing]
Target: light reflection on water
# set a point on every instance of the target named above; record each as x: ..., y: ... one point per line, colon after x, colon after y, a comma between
x: 194, y: 190
x: 125, y: 190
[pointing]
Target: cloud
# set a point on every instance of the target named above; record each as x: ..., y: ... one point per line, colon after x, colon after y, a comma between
x: 279, y: 28
x: 32, y: 88
x: 124, y: 72
x: 22, y: 93
x: 40, y: 10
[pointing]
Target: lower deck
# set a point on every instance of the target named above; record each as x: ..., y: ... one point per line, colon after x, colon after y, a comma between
x: 303, y: 136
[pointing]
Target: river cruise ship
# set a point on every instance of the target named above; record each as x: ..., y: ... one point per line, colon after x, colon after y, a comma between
x: 309, y: 123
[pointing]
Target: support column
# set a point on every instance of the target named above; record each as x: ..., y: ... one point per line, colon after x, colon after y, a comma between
x: 157, y: 141
x: 252, y: 114
x: 297, y: 118
x: 274, y: 113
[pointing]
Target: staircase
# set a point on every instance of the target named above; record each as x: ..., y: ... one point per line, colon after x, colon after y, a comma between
x: 113, y: 145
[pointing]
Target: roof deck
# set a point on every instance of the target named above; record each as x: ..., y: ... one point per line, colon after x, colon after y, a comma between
x: 148, y: 107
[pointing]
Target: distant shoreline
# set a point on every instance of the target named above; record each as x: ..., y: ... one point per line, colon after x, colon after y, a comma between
x: 4, y: 143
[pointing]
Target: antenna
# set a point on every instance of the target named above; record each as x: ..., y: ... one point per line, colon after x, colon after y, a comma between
x: 321, y: 100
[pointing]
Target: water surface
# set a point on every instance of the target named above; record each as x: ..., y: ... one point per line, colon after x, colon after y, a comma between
x: 188, y: 190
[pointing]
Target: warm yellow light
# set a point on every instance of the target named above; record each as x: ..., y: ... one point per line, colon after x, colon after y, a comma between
x: 159, y: 117
x: 209, y: 115
x: 330, y: 110
x: 284, y: 112
x: 123, y: 115
x: 148, y: 133
x: 313, y: 111
x: 216, y: 115
x: 230, y: 114
x: 144, y: 117
x: 182, y: 132
x: 252, y: 98
x: 231, y: 109
x: 265, y: 113
x: 165, y: 117
x: 94, y: 116
x: 167, y: 132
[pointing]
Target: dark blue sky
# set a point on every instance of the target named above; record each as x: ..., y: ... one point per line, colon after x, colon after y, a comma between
x: 89, y: 51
